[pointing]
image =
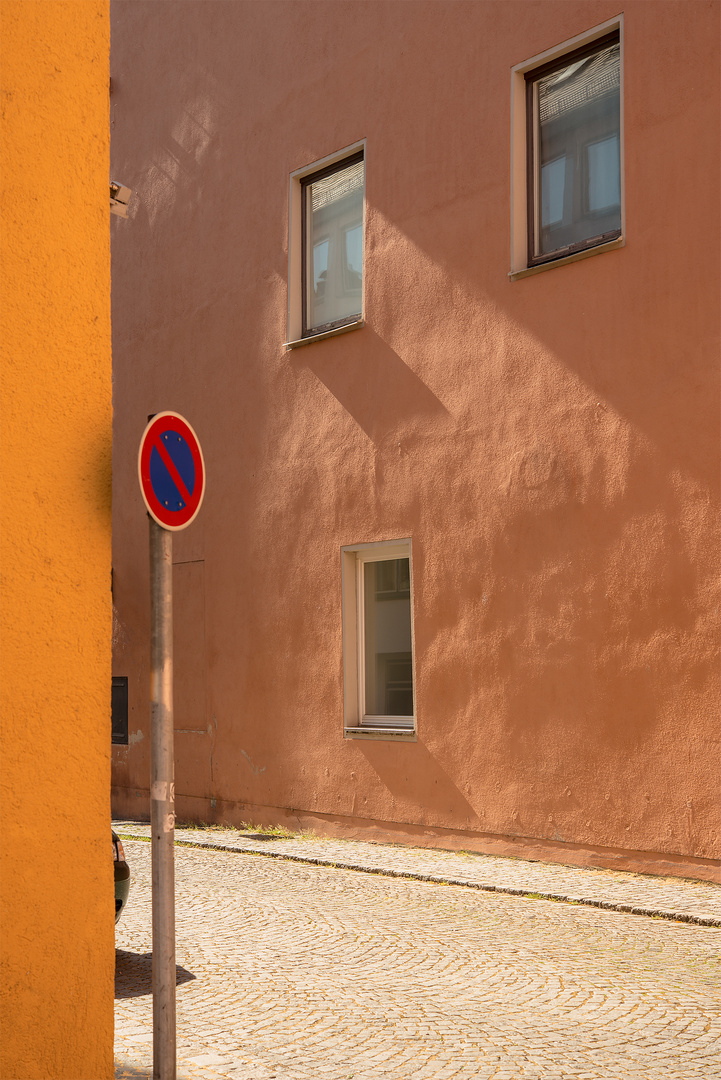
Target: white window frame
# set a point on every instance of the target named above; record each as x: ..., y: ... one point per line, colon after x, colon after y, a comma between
x: 519, y: 179
x: 356, y: 724
x: 295, y: 250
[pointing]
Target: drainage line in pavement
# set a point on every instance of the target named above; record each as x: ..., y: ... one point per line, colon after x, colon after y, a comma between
x: 308, y: 860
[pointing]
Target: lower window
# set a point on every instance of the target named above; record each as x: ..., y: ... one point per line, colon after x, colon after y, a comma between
x: 378, y: 637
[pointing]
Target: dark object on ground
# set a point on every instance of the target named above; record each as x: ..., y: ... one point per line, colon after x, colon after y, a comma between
x: 122, y: 876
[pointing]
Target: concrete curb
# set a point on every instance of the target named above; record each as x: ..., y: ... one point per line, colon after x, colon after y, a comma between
x: 409, y: 875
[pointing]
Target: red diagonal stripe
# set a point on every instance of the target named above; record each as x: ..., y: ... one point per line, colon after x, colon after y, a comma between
x: 170, y: 466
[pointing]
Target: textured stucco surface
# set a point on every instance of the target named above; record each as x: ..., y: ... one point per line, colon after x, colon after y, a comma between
x: 57, y: 875
x: 550, y: 444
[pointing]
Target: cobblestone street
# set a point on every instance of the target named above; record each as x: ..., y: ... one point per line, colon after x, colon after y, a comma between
x: 296, y: 971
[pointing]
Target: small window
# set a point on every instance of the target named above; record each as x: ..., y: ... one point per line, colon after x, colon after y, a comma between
x: 573, y: 117
x: 378, y: 638
x: 332, y: 238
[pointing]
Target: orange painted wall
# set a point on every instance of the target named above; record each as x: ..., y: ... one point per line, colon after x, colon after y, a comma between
x: 56, y: 885
x: 549, y: 444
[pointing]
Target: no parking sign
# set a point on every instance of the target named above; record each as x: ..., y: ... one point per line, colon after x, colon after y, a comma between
x: 171, y: 471
x: 172, y: 481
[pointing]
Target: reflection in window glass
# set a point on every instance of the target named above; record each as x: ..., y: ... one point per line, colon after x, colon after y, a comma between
x: 320, y: 268
x: 353, y: 256
x: 553, y: 183
x: 387, y: 633
x: 604, y: 174
x: 334, y: 241
x: 577, y: 111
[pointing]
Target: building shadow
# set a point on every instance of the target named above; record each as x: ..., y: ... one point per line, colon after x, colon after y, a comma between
x: 421, y: 789
x: 373, y: 384
x: 134, y: 974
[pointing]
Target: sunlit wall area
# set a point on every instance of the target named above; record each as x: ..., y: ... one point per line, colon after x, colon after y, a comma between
x: 57, y: 879
x: 437, y: 286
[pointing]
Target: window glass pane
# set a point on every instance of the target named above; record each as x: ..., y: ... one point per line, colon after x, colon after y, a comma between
x: 334, y: 209
x: 604, y: 174
x: 553, y: 183
x: 577, y: 152
x: 387, y: 620
x: 320, y: 267
x: 353, y: 257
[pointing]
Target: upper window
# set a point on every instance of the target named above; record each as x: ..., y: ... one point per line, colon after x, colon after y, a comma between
x: 378, y: 639
x: 573, y: 114
x: 332, y: 246
x: 567, y: 187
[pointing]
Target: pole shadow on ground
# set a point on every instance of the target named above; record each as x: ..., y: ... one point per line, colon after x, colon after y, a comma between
x: 134, y: 974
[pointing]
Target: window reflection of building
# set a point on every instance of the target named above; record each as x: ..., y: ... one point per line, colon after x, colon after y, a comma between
x: 353, y: 258
x: 333, y: 235
x: 320, y: 269
x: 575, y: 144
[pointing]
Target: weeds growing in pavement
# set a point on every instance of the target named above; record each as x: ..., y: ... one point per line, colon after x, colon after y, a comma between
x: 244, y: 828
x: 266, y: 830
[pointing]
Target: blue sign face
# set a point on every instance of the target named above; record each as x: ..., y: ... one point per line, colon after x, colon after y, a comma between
x: 172, y: 470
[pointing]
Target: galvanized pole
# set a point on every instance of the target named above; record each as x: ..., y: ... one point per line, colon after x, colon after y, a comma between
x: 162, y: 800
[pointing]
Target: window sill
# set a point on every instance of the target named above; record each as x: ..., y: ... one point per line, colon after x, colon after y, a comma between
x: 326, y: 334
x: 402, y: 734
x: 528, y: 271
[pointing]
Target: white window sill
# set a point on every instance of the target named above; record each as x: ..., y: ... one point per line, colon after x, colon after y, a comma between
x: 326, y: 334
x: 528, y: 271
x: 403, y: 734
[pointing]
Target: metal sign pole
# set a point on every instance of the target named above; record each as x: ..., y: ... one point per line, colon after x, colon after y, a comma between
x: 162, y: 800
x: 171, y: 472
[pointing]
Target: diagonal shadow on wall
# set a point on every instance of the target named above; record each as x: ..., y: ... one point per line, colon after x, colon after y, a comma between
x: 419, y: 785
x: 372, y: 382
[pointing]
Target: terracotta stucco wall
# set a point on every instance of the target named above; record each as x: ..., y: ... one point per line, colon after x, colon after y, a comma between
x: 549, y: 444
x: 57, y: 875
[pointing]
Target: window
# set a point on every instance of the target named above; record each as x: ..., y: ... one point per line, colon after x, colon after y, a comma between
x: 326, y: 248
x: 378, y: 638
x: 332, y: 225
x: 567, y: 134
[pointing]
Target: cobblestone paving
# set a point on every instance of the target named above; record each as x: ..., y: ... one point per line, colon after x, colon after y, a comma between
x: 677, y: 898
x: 294, y: 971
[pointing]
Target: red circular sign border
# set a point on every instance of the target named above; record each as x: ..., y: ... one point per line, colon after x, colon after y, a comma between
x: 181, y: 518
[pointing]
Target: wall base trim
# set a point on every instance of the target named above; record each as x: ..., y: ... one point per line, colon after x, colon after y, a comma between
x: 134, y: 804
